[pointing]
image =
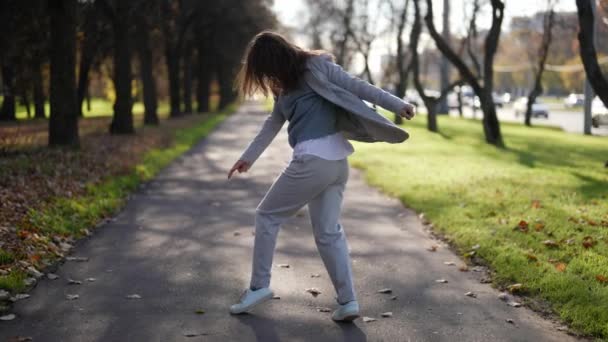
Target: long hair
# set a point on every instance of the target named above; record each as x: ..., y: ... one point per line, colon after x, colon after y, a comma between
x: 272, y: 64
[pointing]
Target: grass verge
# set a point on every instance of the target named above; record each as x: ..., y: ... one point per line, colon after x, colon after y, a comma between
x: 538, y: 210
x: 71, y: 217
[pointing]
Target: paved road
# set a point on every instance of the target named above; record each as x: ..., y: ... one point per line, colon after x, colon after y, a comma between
x: 569, y: 120
x: 183, y: 243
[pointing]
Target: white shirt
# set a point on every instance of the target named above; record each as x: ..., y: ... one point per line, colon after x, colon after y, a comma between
x: 331, y: 147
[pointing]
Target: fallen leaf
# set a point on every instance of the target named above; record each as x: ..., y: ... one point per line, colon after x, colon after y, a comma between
x: 531, y: 257
x: 323, y: 309
x: 538, y: 226
x: 602, y: 279
x: 536, y: 204
x: 313, y: 291
x: 20, y: 296
x: 504, y: 296
x: 387, y: 314
x: 394, y: 298
x: 522, y: 226
x: 283, y: 265
x: 471, y: 294
x: 463, y: 268
x: 442, y: 281
x: 236, y: 233
x: 514, y: 304
x: 433, y: 248
x: 20, y: 339
x: 8, y: 317
x: 315, y: 275
x: 385, y: 290
x: 514, y: 287
x: 74, y: 282
x: 133, y: 296
x: 194, y: 334
x: 368, y: 319
x: 72, y: 296
x: 199, y: 311
x: 560, y: 266
x: 52, y: 276
x: 79, y: 259
x: 449, y: 263
x: 90, y: 280
x: 276, y: 297
x: 475, y: 247
x: 508, y: 320
x: 550, y: 243
x: 588, y: 242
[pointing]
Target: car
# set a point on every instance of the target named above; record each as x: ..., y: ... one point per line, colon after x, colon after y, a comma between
x: 574, y: 100
x: 597, y: 107
x: 499, y: 101
x: 539, y: 109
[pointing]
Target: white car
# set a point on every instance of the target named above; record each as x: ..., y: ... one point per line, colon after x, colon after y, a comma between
x: 597, y: 107
x: 539, y: 109
x: 574, y: 100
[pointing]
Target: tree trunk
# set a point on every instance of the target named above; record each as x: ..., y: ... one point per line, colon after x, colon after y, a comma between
x: 88, y: 51
x: 172, y: 60
x: 63, y: 123
x: 7, y: 112
x: 536, y: 91
x: 227, y: 94
x: 491, y: 127
x: 588, y: 52
x: 204, y: 80
x: 146, y: 72
x: 38, y: 92
x: 444, y: 67
x: 187, y: 70
x: 122, y: 121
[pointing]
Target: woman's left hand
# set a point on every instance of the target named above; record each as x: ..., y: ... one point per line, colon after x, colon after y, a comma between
x: 407, y: 112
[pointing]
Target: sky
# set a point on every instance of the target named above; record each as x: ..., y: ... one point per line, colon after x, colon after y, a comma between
x: 291, y: 13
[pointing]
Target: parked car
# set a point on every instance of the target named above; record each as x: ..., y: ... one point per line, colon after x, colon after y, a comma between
x: 539, y: 109
x: 574, y: 100
x: 597, y: 107
x: 499, y: 101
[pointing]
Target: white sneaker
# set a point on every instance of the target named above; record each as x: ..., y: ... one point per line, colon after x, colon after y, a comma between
x: 249, y: 299
x: 347, y: 312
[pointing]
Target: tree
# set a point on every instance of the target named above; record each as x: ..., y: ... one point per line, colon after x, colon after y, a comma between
x: 430, y: 102
x: 143, y: 27
x: 587, y: 50
x: 120, y: 15
x: 402, y: 67
x: 444, y: 67
x: 63, y: 124
x: 491, y: 126
x: 543, y: 53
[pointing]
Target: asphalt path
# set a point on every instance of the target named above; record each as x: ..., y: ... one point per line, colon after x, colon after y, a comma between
x: 183, y: 242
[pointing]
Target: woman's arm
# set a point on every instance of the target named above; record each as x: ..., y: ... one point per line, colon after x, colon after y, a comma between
x: 364, y: 90
x: 271, y: 127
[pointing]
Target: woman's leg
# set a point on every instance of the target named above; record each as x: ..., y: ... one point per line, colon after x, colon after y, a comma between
x: 331, y: 242
x: 302, y: 180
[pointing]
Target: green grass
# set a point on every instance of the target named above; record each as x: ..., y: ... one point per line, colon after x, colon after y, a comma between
x: 99, y: 107
x: 6, y: 257
x: 476, y: 194
x: 70, y: 216
x: 13, y: 281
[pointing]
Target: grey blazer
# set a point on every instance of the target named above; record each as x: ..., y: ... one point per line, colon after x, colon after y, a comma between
x: 356, y: 120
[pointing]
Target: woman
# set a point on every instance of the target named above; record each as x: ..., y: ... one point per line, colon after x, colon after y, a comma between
x: 323, y: 106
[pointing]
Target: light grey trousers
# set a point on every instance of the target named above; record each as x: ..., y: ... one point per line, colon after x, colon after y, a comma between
x: 320, y: 183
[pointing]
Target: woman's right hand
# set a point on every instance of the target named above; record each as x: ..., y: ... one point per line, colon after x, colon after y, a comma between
x: 240, y: 166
